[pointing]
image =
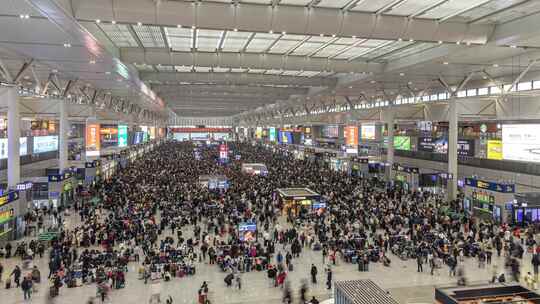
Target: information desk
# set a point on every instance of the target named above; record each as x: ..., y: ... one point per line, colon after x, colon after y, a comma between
x: 295, y: 200
x: 255, y: 169
x: 482, y: 293
x: 489, y: 200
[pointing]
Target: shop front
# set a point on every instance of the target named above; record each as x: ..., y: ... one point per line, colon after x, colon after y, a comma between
x: 298, y: 201
x: 404, y: 177
x: 525, y: 208
x: 61, y: 189
x: 489, y: 200
x: 10, y: 216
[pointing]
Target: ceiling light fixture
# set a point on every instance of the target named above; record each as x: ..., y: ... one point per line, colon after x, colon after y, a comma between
x: 113, y: 22
x: 446, y: 63
x: 24, y: 16
x: 271, y: 32
x: 513, y: 46
x: 373, y: 81
x: 283, y: 33
x: 334, y: 36
x: 322, y: 35
x: 67, y: 45
x: 495, y: 65
x: 468, y: 43
x: 98, y: 21
x: 179, y: 26
x: 107, y: 73
x: 353, y: 37
x: 399, y: 39
x: 193, y: 27
x: 411, y: 40
x: 236, y: 30
x: 401, y: 74
x: 458, y: 42
x: 139, y: 23
x: 92, y: 62
x: 440, y: 42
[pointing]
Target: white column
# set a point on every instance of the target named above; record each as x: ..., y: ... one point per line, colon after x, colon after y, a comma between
x: 14, y: 134
x: 64, y: 130
x: 452, y: 148
x: 390, y: 148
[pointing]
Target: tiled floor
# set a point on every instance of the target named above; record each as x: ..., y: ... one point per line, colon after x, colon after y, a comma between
x: 401, y: 280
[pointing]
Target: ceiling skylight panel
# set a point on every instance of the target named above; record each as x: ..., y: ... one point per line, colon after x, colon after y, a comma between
x: 308, y: 73
x: 208, y: 40
x: 488, y: 8
x: 286, y: 43
x: 371, y: 6
x: 144, y: 67
x: 333, y: 3
x: 411, y: 7
x: 295, y: 2
x: 238, y: 70
x: 180, y: 39
x: 164, y: 68
x: 235, y: 41
x: 183, y: 68
x: 448, y: 8
x: 150, y: 36
x: 261, y: 42
x: 291, y: 73
x: 256, y: 71
x: 330, y: 50
x: 274, y: 72
x: 410, y: 51
x: 387, y: 48
x: 200, y: 69
x: 514, y: 13
x: 220, y: 70
x: 307, y: 48
x: 119, y: 34
x: 353, y: 52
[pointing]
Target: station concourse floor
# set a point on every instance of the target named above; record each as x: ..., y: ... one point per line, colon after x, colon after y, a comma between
x: 401, y: 280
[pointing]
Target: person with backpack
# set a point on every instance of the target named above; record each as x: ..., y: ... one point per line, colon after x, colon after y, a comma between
x: 26, y: 286
x: 16, y: 273
x: 313, y: 274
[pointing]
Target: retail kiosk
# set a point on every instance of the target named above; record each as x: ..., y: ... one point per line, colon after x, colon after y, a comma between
x: 489, y: 200
x: 482, y: 293
x: 255, y: 169
x: 294, y: 200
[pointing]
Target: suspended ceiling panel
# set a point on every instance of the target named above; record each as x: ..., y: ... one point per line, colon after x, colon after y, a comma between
x: 235, y: 41
x: 150, y: 36
x: 179, y: 39
x: 450, y: 8
x: 409, y: 8
x: 119, y: 34
x: 372, y: 5
x: 261, y: 42
x: 486, y: 9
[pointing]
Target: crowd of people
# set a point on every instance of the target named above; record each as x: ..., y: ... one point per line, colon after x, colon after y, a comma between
x: 144, y: 212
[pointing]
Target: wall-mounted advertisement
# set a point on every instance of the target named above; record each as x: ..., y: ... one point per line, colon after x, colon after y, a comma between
x: 402, y: 143
x: 521, y: 142
x: 122, y: 136
x: 351, y: 136
x: 93, y: 141
x: 23, y: 147
x: 258, y: 132
x: 152, y: 132
x: 247, y: 232
x: 440, y: 145
x: 495, y: 149
x: 45, y: 144
x: 367, y: 132
x: 285, y: 137
x: 108, y: 135
x: 272, y: 134
x: 331, y: 131
x: 200, y: 136
x: 138, y: 138
x: 221, y: 136
x: 181, y: 136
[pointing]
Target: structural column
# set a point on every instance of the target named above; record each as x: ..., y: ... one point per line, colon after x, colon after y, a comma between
x: 452, y: 147
x: 64, y: 131
x: 14, y: 134
x: 389, y: 119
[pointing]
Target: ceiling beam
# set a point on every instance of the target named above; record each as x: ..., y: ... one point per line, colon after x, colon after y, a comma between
x: 246, y: 60
x: 297, y: 20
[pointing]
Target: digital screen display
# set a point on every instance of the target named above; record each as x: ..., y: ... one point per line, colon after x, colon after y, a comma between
x: 368, y: 132
x: 247, y: 232
x: 258, y: 132
x: 45, y: 144
x: 23, y: 147
x: 331, y: 131
x: 181, y: 136
x: 465, y: 147
x: 402, y: 143
x: 138, y: 138
x: 521, y: 142
x: 122, y: 136
x: 351, y: 136
x: 272, y: 134
x: 285, y: 137
x: 93, y: 141
x: 109, y: 135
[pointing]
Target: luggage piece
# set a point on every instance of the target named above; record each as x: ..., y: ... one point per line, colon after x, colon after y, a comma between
x: 291, y: 267
x: 180, y: 273
x: 354, y: 259
x: 53, y: 292
x: 8, y: 284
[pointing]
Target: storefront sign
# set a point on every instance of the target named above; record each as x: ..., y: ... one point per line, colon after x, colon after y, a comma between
x: 440, y: 145
x: 93, y: 141
x: 493, y: 186
x: 368, y: 132
x: 23, y: 147
x: 495, y: 149
x: 9, y: 197
x: 6, y: 215
x: 45, y: 144
x: 24, y: 186
x: 59, y: 177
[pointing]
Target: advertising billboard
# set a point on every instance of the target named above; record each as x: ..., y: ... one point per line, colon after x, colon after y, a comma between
x: 351, y: 136
x: 122, y: 136
x: 108, y: 135
x: 440, y: 145
x: 223, y: 152
x: 402, y: 143
x: 272, y: 134
x: 331, y: 131
x: 93, y: 140
x: 495, y: 149
x: 285, y: 137
x: 521, y: 142
x: 45, y: 144
x: 247, y: 232
x: 258, y: 132
x: 23, y: 147
x: 368, y: 132
x: 152, y: 132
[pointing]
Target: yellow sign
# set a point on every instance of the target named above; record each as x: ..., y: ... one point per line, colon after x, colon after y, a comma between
x: 495, y: 149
